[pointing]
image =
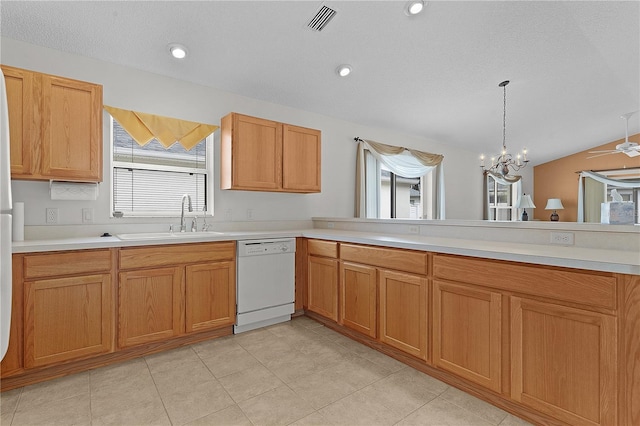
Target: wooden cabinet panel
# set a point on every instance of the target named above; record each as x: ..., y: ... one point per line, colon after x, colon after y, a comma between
x: 67, y: 318
x: 323, y: 287
x: 153, y: 256
x: 358, y: 292
x: 301, y: 158
x: 563, y: 362
x: 151, y: 305
x: 66, y: 263
x: 403, y: 312
x: 467, y: 333
x: 398, y: 259
x: 251, y: 153
x: 55, y: 125
x: 323, y: 248
x: 210, y: 295
x: 72, y: 129
x: 23, y: 112
x: 583, y: 287
x: 264, y: 155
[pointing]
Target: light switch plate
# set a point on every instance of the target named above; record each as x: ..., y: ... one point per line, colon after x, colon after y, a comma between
x: 87, y: 215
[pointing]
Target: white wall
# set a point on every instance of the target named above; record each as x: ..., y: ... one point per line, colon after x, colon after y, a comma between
x: 142, y: 91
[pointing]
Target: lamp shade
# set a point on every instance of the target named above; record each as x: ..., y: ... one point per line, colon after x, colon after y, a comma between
x: 554, y: 204
x: 525, y: 202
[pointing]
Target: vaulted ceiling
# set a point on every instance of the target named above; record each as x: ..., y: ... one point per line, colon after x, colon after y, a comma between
x: 574, y: 66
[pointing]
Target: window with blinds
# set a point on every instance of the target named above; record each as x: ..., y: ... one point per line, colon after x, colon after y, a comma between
x: 150, y: 180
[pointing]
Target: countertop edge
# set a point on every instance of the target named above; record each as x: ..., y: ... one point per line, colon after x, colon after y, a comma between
x: 623, y: 262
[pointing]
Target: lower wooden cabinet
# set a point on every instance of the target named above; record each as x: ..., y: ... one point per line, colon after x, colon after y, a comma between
x: 150, y: 305
x: 467, y: 332
x: 563, y: 362
x: 210, y: 296
x: 167, y: 291
x: 66, y: 318
x: 358, y: 298
x: 323, y: 287
x: 403, y: 312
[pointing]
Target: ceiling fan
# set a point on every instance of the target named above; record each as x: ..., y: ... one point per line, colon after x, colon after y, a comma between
x: 632, y: 149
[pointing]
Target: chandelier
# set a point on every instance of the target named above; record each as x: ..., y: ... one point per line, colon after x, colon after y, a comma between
x: 505, y: 161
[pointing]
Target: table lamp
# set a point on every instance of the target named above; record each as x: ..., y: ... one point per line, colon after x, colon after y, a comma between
x: 523, y: 203
x: 554, y: 204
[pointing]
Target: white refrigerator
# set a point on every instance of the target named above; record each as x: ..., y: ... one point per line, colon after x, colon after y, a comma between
x: 5, y: 221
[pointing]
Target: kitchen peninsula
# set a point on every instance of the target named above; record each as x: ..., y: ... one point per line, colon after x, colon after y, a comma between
x: 519, y: 325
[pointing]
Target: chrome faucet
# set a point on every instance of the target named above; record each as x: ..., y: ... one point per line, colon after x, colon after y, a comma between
x: 183, y: 226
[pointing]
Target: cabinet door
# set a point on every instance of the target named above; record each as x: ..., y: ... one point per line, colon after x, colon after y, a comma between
x: 563, y: 362
x: 23, y: 110
x: 210, y: 296
x: 467, y: 332
x: 67, y: 318
x: 151, y: 305
x: 256, y: 153
x: 300, y: 159
x: 323, y: 287
x: 358, y: 301
x: 72, y: 129
x: 403, y: 312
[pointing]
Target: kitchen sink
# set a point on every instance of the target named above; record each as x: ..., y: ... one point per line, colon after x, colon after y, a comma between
x: 167, y: 235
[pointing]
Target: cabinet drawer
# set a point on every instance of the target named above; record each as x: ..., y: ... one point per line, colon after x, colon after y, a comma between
x: 323, y: 248
x: 578, y: 286
x: 67, y: 263
x: 152, y: 256
x: 401, y: 260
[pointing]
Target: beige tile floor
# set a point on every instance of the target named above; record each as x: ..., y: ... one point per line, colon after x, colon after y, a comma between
x: 297, y: 373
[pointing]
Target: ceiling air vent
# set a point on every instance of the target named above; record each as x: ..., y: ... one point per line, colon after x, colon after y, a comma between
x: 321, y: 18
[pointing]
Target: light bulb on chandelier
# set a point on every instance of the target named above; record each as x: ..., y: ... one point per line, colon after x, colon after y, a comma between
x: 505, y: 161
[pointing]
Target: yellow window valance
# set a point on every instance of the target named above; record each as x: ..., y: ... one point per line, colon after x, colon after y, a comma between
x: 144, y: 127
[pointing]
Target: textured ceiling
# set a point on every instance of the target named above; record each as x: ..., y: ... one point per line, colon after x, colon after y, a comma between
x: 574, y: 66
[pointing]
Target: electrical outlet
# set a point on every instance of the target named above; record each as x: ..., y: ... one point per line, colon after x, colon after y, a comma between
x: 87, y: 215
x: 249, y: 214
x: 330, y: 225
x: 414, y: 229
x: 228, y: 215
x: 562, y: 238
x: 52, y: 215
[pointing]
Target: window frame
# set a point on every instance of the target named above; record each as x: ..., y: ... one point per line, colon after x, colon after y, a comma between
x: 496, y: 207
x: 208, y: 170
x: 425, y: 180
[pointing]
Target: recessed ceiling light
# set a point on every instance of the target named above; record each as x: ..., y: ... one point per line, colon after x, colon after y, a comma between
x: 178, y: 51
x: 344, y: 70
x: 414, y: 7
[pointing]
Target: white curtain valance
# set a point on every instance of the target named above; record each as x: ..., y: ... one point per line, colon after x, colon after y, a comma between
x: 620, y: 183
x: 404, y: 162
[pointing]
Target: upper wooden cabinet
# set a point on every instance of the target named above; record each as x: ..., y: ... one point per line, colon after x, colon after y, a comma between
x: 20, y: 92
x: 55, y: 126
x: 264, y: 155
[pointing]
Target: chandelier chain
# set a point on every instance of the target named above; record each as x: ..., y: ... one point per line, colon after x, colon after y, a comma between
x: 504, y: 120
x: 505, y: 162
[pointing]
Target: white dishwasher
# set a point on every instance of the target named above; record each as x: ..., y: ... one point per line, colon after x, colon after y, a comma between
x: 265, y: 282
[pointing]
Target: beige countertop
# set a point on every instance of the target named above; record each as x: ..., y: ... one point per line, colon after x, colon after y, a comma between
x: 626, y: 262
